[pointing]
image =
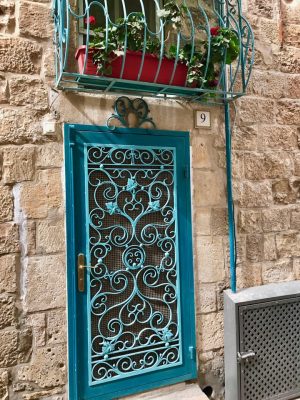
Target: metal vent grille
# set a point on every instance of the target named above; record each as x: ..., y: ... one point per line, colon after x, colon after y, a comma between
x: 272, y: 331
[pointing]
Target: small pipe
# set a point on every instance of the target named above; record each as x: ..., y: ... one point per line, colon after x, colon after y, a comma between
x: 230, y: 199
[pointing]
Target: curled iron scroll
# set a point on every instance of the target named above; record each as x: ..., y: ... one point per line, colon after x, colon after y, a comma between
x: 131, y: 114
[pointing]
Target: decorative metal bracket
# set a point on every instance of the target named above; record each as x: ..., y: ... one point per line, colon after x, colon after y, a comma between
x: 131, y: 114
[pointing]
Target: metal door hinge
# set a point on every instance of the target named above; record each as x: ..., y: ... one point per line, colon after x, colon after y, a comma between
x: 192, y: 351
x: 245, y: 356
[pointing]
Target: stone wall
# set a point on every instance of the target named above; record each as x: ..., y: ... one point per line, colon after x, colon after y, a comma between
x: 32, y: 251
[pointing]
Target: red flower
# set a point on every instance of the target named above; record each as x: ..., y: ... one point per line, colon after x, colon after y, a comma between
x: 91, y: 20
x: 213, y: 83
x: 214, y: 31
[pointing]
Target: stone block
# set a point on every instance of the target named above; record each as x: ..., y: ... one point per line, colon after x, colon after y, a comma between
x: 219, y: 221
x: 261, y: 8
x: 7, y: 18
x: 211, y: 331
x: 270, y: 253
x: 288, y: 60
x: 209, y: 188
x: 278, y: 137
x: 49, y: 63
x: 19, y: 126
x: 47, y: 368
x: 249, y: 274
x: 295, y: 219
x: 296, y: 268
x: 8, y: 266
x: 283, y: 192
x: 37, y: 323
x: 4, y: 94
x: 26, y: 91
x: 296, y: 157
x: 293, y: 87
x: 253, y: 110
x: 4, y: 385
x: 50, y: 236
x: 19, y: 56
x: 23, y: 169
x: 279, y: 271
x: 6, y: 209
x: 270, y: 33
x: 267, y: 84
x: 276, y: 219
x: 254, y: 247
x: 250, y: 221
x: 207, y: 299
x: 201, y: 221
x: 7, y: 311
x: 42, y: 197
x: 56, y: 327
x: 9, y: 238
x: 210, y: 259
x: 292, y: 34
x: 35, y: 20
x: 49, y: 155
x: 202, y: 152
x: 255, y: 194
x: 288, y: 112
x: 244, y: 138
x: 288, y: 244
x: 9, y: 350
x: 25, y: 345
x: 271, y: 165
x: 45, y: 283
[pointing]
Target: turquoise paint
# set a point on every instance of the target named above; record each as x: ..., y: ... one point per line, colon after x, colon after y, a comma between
x: 76, y: 138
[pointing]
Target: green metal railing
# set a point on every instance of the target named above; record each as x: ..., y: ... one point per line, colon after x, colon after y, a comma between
x: 73, y: 29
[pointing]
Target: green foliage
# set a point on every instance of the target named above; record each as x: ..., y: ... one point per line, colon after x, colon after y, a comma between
x: 131, y: 34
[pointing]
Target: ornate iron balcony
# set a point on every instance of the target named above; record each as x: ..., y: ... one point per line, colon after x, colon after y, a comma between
x: 196, y: 50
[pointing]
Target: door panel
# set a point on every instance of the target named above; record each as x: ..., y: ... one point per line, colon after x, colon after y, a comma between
x: 131, y: 326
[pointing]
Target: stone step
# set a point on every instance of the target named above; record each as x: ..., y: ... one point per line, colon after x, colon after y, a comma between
x: 181, y: 391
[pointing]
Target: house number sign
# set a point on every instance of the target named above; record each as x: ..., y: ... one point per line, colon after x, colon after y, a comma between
x: 202, y: 119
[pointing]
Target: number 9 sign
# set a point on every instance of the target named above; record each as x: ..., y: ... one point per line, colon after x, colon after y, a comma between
x: 202, y: 119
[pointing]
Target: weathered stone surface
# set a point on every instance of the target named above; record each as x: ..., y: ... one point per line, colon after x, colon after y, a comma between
x: 253, y: 111
x: 44, y: 360
x: 210, y: 259
x: 6, y: 208
x: 209, y: 188
x: 7, y: 311
x: 202, y: 225
x: 25, y: 345
x: 292, y: 34
x: 38, y: 326
x: 4, y: 95
x: 19, y: 126
x: 267, y: 84
x: 293, y: 87
x: 288, y: 112
x: 8, y: 265
x: 276, y: 219
x: 202, y: 152
x: 261, y: 8
x: 28, y: 91
x: 50, y: 236
x: 49, y: 63
x: 9, y: 238
x: 7, y: 18
x: 45, y: 282
x: 56, y: 327
x: 49, y: 155
x: 270, y: 34
x: 296, y: 268
x: 270, y: 253
x: 250, y: 221
x: 288, y: 244
x: 249, y: 274
x: 244, y: 138
x: 255, y: 194
x: 206, y: 302
x: 288, y: 60
x: 254, y: 247
x: 283, y: 192
x: 23, y: 170
x: 219, y: 221
x: 4, y: 382
x: 43, y: 196
x: 211, y: 331
x: 8, y: 348
x: 295, y: 219
x: 35, y: 20
x: 19, y: 56
x: 271, y: 165
x: 279, y: 271
x: 278, y: 137
x: 297, y: 163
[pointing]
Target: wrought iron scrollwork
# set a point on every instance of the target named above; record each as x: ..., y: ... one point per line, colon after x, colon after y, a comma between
x: 133, y: 289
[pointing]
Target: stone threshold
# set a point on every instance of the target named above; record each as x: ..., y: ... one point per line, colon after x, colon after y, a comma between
x: 181, y: 391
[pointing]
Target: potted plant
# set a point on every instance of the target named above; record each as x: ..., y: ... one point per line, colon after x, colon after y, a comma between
x: 108, y: 55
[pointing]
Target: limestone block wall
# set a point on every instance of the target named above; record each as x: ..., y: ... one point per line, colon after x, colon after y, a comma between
x: 266, y: 156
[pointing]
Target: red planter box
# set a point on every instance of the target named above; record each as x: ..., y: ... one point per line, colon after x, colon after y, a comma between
x: 132, y: 67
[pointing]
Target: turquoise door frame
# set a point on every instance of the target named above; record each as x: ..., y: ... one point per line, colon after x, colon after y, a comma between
x: 77, y: 138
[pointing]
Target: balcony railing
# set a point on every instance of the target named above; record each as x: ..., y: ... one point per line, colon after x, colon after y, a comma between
x: 178, y: 50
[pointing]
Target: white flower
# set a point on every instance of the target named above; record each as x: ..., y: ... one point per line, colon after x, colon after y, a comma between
x: 163, y: 13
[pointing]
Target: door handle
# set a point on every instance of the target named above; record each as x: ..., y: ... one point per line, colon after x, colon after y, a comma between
x: 245, y: 356
x: 81, y: 271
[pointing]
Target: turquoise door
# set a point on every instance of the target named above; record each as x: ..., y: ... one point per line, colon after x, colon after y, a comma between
x: 130, y: 268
